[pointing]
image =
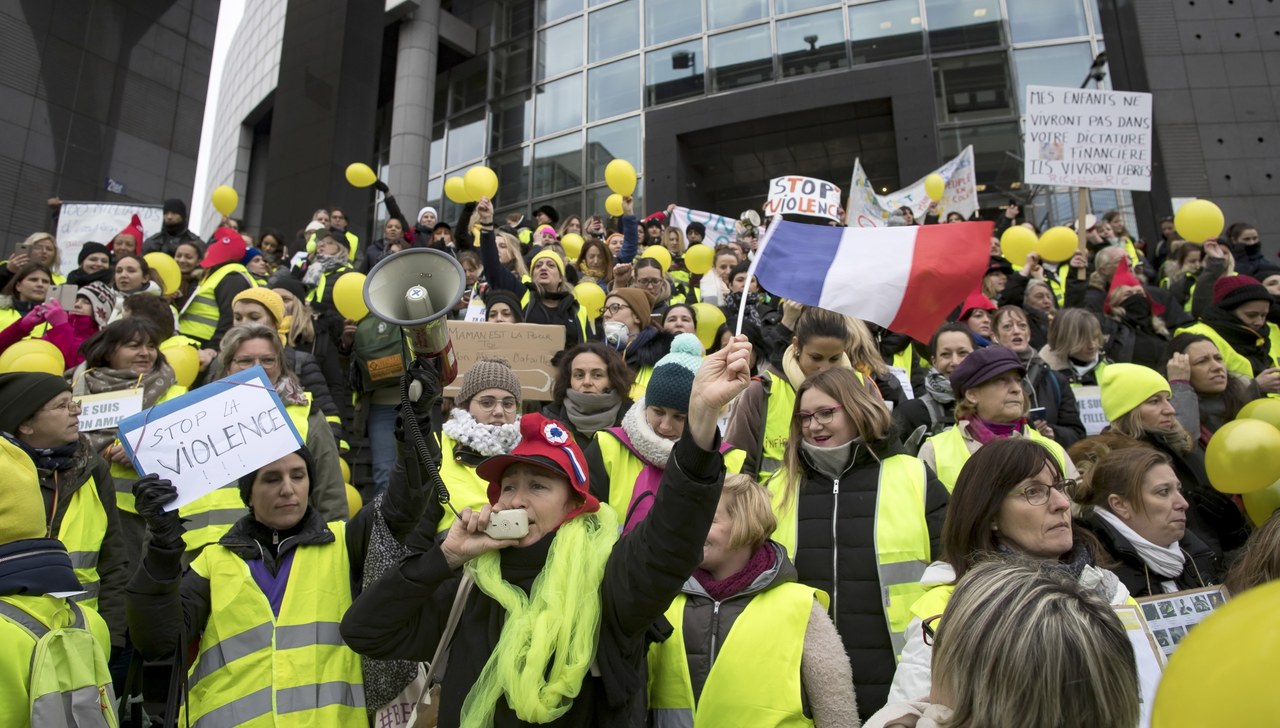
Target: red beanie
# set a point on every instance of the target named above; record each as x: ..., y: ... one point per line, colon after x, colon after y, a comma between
x: 1232, y: 292
x: 975, y: 301
x: 1125, y: 278
x: 134, y: 230
x: 226, y: 247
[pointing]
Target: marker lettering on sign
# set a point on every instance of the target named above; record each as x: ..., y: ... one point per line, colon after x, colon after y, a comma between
x: 203, y: 449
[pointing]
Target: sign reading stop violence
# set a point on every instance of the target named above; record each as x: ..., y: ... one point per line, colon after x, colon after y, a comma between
x: 793, y: 195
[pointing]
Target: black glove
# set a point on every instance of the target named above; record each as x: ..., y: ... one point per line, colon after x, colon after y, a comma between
x: 150, y: 494
x: 381, y: 186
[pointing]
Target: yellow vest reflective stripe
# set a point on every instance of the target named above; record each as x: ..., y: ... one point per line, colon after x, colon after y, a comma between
x: 901, y: 536
x: 624, y: 468
x: 755, y: 679
x: 213, y: 514
x: 950, y: 453
x: 82, y: 531
x: 777, y: 425
x: 466, y: 488
x: 200, y: 318
x: 1236, y: 362
x: 123, y: 476
x: 292, y: 670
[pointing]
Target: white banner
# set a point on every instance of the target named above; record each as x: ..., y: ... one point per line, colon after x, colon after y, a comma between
x: 868, y: 209
x: 102, y: 411
x: 1087, y: 138
x: 719, y: 228
x: 794, y: 195
x: 99, y: 222
x: 1089, y: 404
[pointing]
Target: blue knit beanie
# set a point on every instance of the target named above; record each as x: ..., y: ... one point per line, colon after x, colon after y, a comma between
x: 672, y: 379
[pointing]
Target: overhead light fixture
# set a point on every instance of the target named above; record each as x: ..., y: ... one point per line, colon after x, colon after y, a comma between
x: 1015, y: 185
x: 981, y: 188
x: 884, y: 189
x: 915, y: 20
x: 980, y: 13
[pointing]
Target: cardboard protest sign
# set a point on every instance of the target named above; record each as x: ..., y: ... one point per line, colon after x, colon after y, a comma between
x: 792, y: 195
x: 210, y: 437
x: 719, y: 228
x: 103, y: 411
x: 528, y: 347
x: 1089, y: 404
x: 99, y: 222
x: 868, y: 209
x: 1087, y: 138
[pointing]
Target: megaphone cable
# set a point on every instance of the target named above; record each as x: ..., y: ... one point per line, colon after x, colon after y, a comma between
x: 414, y: 432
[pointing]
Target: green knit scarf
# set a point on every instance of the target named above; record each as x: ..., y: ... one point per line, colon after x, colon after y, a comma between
x: 557, y: 626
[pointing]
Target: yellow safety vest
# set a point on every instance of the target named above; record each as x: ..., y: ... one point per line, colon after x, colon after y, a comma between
x: 257, y: 669
x: 933, y: 602
x: 83, y: 529
x: 123, y: 476
x: 466, y: 488
x: 779, y: 409
x: 199, y: 319
x: 950, y: 453
x: 10, y: 316
x: 901, y: 536
x: 755, y: 679
x: 641, y: 383
x: 1235, y: 361
x: 583, y: 319
x: 211, y: 515
x: 624, y: 468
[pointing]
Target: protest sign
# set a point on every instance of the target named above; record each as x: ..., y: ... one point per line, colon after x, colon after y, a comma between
x: 868, y: 209
x: 1150, y: 662
x: 528, y: 347
x: 99, y: 222
x: 792, y: 195
x: 1089, y: 404
x: 210, y: 437
x: 1171, y: 615
x: 719, y: 228
x: 1087, y: 138
x: 102, y: 411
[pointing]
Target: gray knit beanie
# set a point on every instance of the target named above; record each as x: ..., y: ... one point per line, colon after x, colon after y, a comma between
x: 488, y: 373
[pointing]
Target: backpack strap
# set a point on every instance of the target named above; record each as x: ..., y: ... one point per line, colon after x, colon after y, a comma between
x: 30, y: 624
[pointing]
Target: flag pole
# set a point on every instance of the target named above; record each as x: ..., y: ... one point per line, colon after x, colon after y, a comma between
x: 751, y: 270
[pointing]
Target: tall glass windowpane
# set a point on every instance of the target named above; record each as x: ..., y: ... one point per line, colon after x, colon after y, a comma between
x: 512, y: 120
x: 513, y: 66
x: 613, y: 31
x: 1031, y: 20
x: 466, y: 139
x: 468, y: 84
x: 513, y: 170
x: 812, y: 43
x: 613, y: 89
x: 514, y: 19
x: 560, y: 48
x: 559, y: 105
x: 740, y: 58
x: 549, y: 11
x: 666, y: 20
x: 557, y: 164
x: 960, y: 24
x: 1060, y: 65
x: 617, y: 140
x: 597, y: 195
x: 792, y: 6
x: 673, y: 73
x: 883, y: 31
x: 973, y: 87
x: 435, y: 162
x: 723, y: 13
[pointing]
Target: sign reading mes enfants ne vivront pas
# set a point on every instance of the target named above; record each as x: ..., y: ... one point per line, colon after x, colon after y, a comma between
x: 1088, y: 138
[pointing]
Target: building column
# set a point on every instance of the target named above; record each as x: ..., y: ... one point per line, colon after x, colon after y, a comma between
x: 412, y: 106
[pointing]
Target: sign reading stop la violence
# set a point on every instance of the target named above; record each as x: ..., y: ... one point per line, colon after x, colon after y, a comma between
x: 529, y: 348
x: 792, y: 195
x: 1087, y: 138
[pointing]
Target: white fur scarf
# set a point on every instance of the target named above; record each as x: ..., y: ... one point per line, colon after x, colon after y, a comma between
x: 486, y: 440
x: 655, y: 450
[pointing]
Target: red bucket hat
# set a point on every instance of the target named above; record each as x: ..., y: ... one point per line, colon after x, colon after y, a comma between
x: 546, y: 444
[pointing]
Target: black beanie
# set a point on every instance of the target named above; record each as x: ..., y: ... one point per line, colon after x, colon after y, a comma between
x: 89, y: 249
x: 292, y: 285
x: 176, y: 205
x: 22, y: 394
x: 246, y: 481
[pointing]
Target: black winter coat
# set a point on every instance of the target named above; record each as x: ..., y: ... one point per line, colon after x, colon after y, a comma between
x: 307, y: 367
x: 1052, y: 391
x: 403, y: 614
x: 1203, y: 567
x: 835, y: 552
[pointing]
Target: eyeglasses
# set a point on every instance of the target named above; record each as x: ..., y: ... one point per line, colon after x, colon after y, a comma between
x: 248, y: 361
x: 1037, y: 494
x: 613, y: 308
x: 649, y: 282
x: 822, y: 416
x: 929, y: 628
x: 71, y: 406
x: 508, y: 403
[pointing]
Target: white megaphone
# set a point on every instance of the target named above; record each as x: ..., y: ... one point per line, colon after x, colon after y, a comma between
x: 416, y: 289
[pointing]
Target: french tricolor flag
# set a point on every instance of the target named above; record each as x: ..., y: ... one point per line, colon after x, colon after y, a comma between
x: 906, y: 279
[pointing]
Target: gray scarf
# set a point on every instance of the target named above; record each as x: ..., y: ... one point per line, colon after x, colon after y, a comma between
x: 590, y: 413
x: 829, y: 461
x: 321, y: 265
x: 939, y: 387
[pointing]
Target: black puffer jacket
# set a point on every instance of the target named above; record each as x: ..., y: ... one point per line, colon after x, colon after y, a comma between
x: 835, y: 552
x: 312, y: 377
x: 1202, y: 568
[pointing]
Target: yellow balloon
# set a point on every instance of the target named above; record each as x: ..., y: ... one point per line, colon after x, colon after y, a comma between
x: 455, y: 188
x: 346, y: 470
x: 1265, y: 409
x: 660, y: 254
x: 1016, y: 244
x: 183, y: 359
x: 1055, y: 245
x: 225, y: 199
x: 699, y: 258
x: 348, y: 296
x: 1243, y: 456
x: 1198, y: 221
x: 354, y: 501
x: 33, y: 355
x: 613, y: 205
x: 934, y: 186
x: 1223, y: 672
x: 480, y: 182
x: 572, y: 244
x: 710, y: 319
x: 621, y: 177
x: 360, y: 174
x: 590, y: 297
x: 167, y: 268
x: 1260, y: 504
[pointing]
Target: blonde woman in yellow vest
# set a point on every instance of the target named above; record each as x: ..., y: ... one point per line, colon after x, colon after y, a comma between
x: 990, y: 405
x: 40, y: 416
x: 265, y: 603
x: 1012, y: 498
x: 207, y: 314
x: 749, y: 644
x: 244, y: 347
x: 860, y: 518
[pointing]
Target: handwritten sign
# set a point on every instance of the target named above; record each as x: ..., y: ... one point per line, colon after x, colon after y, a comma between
x: 99, y: 222
x: 211, y: 436
x: 1088, y: 138
x: 1089, y: 404
x: 528, y: 347
x: 868, y: 209
x: 719, y: 228
x: 103, y: 411
x: 793, y: 195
